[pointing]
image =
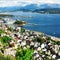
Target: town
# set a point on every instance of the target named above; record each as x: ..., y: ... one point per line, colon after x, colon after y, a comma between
x: 17, y: 43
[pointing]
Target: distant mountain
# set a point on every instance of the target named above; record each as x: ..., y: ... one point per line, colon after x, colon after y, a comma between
x: 48, y: 11
x: 20, y: 8
x: 3, y: 9
x: 50, y: 6
x: 32, y: 7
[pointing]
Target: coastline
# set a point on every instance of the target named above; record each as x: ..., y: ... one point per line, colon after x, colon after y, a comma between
x: 52, y: 37
x: 55, y: 38
x: 37, y: 32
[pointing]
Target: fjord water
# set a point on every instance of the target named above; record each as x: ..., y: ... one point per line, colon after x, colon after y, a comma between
x: 46, y: 23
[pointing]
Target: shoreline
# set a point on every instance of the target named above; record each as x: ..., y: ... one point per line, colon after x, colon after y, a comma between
x: 52, y: 37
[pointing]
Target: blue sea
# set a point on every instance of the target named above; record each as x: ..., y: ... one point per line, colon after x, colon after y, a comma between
x: 46, y: 23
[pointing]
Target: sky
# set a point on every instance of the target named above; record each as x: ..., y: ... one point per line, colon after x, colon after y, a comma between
x: 5, y: 3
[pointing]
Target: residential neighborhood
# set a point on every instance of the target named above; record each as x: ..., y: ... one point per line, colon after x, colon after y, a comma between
x: 23, y: 44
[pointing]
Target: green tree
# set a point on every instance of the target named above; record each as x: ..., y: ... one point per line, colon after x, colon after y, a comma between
x: 22, y: 30
x: 22, y: 54
x: 39, y: 39
x: 10, y: 28
x: 2, y: 31
x: 5, y: 40
x: 58, y: 42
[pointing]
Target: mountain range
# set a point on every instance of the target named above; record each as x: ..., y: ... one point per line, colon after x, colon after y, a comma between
x: 31, y: 7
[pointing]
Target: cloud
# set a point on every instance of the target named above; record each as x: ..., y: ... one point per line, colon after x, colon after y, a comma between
x: 5, y: 3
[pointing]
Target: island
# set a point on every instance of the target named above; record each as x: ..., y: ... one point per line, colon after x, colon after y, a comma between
x: 20, y: 23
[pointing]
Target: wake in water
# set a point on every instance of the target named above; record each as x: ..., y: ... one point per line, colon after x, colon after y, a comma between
x: 42, y: 24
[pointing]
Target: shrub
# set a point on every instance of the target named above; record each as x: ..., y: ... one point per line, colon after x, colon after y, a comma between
x: 58, y: 42
x: 22, y: 30
x: 9, y: 58
x: 2, y: 31
x: 2, y: 57
x: 6, y: 39
x: 10, y: 28
x: 39, y: 39
x: 22, y: 54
